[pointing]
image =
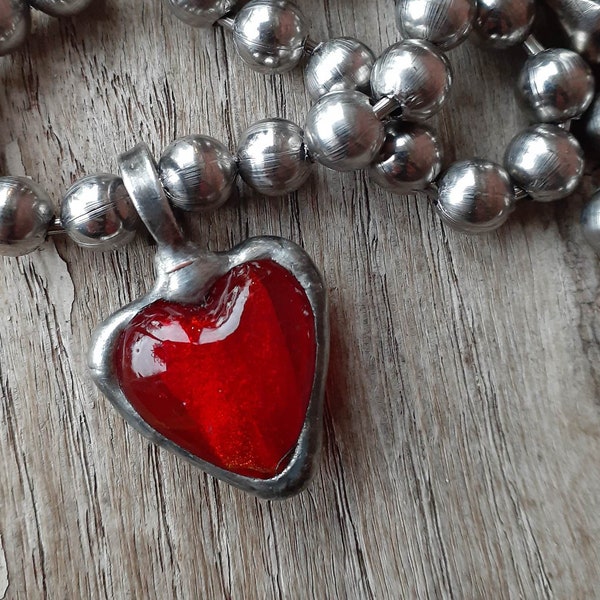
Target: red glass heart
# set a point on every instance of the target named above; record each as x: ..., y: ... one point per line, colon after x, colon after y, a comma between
x: 229, y: 380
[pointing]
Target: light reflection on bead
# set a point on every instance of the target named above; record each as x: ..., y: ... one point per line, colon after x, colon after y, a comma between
x: 339, y: 64
x: 342, y: 131
x: 545, y: 161
x: 272, y: 157
x: 556, y: 85
x: 416, y: 75
x: 15, y: 24
x: 98, y: 214
x: 445, y: 23
x: 504, y: 23
x: 410, y: 158
x: 25, y: 216
x: 475, y: 196
x: 269, y: 35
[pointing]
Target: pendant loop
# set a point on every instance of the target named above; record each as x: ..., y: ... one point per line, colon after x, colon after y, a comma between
x: 143, y: 184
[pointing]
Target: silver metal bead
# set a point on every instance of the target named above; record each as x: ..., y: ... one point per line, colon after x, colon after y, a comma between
x: 416, y: 75
x: 581, y: 21
x: 504, y: 23
x: 198, y: 173
x: 590, y: 222
x: 200, y: 13
x: 342, y: 131
x: 269, y: 35
x: 61, y: 8
x: 25, y: 216
x: 445, y: 23
x: 556, y: 85
x: 272, y: 157
x: 15, y: 24
x: 97, y: 213
x: 410, y: 158
x: 587, y: 129
x: 339, y: 64
x: 475, y: 196
x: 546, y: 161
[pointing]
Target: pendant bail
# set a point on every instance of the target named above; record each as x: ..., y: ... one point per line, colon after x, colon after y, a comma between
x: 141, y: 179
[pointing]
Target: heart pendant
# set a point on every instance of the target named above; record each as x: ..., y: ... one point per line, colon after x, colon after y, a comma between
x: 224, y: 361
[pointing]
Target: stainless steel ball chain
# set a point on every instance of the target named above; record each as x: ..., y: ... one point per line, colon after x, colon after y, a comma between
x: 368, y: 113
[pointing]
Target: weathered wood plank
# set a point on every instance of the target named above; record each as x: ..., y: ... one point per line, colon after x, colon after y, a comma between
x: 463, y: 420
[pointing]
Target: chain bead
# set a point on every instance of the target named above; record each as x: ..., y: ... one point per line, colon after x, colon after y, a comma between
x: 410, y: 158
x: 272, y: 157
x: 416, y: 75
x: 557, y: 85
x: 25, y: 216
x: 475, y: 196
x: 545, y: 161
x: 198, y: 173
x: 445, y: 23
x: 15, y: 24
x: 503, y: 23
x: 98, y: 214
x: 339, y: 64
x: 590, y: 222
x: 587, y: 129
x: 60, y: 8
x: 200, y: 13
x: 581, y: 21
x: 269, y: 35
x: 342, y: 131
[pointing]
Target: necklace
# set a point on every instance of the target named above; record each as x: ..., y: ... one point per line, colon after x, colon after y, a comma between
x: 343, y: 132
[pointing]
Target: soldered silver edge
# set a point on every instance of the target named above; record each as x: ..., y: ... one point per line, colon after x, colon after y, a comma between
x: 303, y: 463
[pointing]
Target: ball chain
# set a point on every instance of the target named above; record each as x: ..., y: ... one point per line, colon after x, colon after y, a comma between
x: 368, y: 113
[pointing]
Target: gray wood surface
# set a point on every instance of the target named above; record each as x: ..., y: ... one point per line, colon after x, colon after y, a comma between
x: 463, y: 418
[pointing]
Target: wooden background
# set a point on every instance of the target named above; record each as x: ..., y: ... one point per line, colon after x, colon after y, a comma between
x: 462, y: 438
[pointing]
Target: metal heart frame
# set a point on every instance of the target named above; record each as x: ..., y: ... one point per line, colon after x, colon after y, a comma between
x: 184, y: 274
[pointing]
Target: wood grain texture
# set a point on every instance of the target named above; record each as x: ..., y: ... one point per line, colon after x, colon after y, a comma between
x: 462, y: 436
